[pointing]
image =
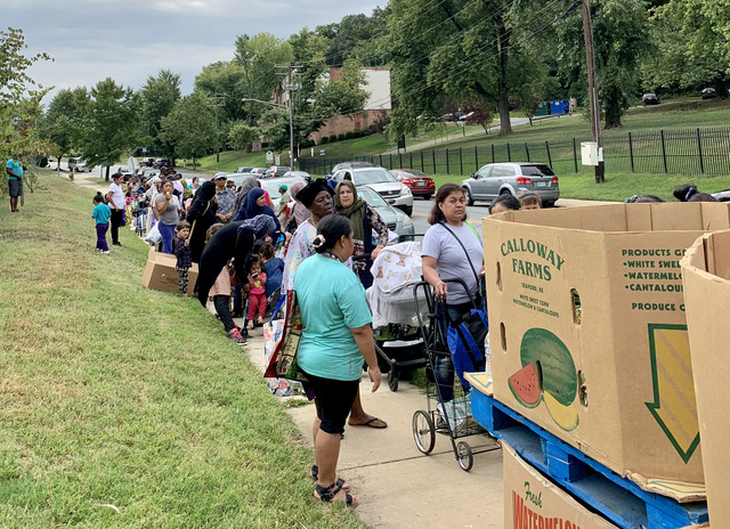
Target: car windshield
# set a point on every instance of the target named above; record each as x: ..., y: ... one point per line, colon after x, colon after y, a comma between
x: 536, y: 170
x: 371, y: 197
x: 373, y: 176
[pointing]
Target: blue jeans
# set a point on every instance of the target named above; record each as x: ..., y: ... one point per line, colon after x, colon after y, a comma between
x: 444, y: 372
x: 168, y: 233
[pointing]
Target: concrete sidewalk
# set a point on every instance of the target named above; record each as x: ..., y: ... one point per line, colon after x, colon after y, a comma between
x: 396, y: 485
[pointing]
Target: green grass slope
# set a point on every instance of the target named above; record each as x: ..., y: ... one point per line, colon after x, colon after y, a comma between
x: 125, y: 407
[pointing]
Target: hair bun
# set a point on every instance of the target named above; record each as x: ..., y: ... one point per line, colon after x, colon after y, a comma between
x: 318, y: 241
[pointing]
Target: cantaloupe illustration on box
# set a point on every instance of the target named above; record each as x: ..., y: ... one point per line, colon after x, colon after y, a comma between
x: 548, y: 375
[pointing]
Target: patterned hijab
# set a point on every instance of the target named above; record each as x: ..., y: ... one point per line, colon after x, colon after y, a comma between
x: 261, y: 225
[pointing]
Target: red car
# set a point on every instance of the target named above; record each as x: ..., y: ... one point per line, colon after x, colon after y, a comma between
x: 419, y: 184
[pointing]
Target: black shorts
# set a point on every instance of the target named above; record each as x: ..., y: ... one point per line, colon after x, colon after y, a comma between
x: 333, y: 398
x: 15, y: 188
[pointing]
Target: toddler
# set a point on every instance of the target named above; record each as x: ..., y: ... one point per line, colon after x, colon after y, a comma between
x: 101, y: 214
x: 182, y: 252
x: 221, y: 296
x: 529, y: 201
x: 257, y: 294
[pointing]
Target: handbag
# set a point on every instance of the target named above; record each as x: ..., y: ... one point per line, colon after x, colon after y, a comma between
x: 283, y: 363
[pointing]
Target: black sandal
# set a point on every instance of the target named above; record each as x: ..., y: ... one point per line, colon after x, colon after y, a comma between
x: 314, y: 474
x: 327, y: 495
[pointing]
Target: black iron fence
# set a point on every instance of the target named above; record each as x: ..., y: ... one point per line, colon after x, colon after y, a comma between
x: 692, y: 151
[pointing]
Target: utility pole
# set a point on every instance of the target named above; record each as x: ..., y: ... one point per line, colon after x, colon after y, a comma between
x: 291, y: 85
x: 592, y: 88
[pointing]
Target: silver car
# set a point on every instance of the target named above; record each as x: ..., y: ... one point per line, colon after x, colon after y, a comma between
x: 396, y: 220
x: 382, y: 182
x: 514, y: 178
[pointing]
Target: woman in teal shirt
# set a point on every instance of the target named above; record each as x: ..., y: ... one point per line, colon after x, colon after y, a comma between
x: 336, y: 337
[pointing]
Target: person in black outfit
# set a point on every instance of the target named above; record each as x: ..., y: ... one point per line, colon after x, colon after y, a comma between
x: 201, y: 217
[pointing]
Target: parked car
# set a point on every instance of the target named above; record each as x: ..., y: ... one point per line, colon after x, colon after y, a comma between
x: 348, y: 165
x: 396, y: 220
x: 78, y: 165
x: 495, y: 179
x: 419, y: 183
x: 258, y: 171
x: 385, y: 184
x: 300, y: 174
x: 161, y: 162
x: 127, y: 173
x: 244, y: 169
x: 272, y: 186
x: 276, y: 171
x: 147, y: 162
x: 650, y: 98
x: 708, y: 93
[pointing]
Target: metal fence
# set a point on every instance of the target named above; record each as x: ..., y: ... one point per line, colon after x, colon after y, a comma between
x: 691, y: 151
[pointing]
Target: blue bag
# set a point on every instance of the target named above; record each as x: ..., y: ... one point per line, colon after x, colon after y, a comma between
x: 465, y: 338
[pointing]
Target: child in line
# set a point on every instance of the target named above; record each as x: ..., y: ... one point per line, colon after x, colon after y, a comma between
x: 257, y: 300
x: 182, y: 252
x: 529, y: 201
x: 274, y: 268
x: 101, y: 214
x: 220, y: 293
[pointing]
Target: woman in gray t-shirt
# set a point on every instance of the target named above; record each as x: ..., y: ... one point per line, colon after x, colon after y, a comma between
x: 167, y: 206
x: 443, y: 258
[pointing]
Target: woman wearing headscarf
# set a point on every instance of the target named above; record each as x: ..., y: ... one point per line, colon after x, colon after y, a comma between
x: 243, y: 191
x: 364, y: 220
x: 299, y: 212
x: 201, y: 217
x: 317, y: 197
x: 255, y: 204
x: 234, y: 241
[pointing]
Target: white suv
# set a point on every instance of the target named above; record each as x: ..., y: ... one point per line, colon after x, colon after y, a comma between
x: 382, y: 182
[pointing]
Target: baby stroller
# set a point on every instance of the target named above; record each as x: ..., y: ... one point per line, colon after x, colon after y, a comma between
x: 452, y: 418
x: 398, y: 343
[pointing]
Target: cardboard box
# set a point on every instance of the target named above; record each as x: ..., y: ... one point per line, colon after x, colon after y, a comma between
x: 160, y: 273
x: 588, y: 332
x: 706, y: 277
x: 533, y: 501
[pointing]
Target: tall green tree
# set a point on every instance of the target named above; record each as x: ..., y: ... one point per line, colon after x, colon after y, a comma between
x: 108, y: 123
x: 258, y: 56
x: 20, y: 99
x: 157, y: 98
x: 191, y: 127
x: 453, y: 51
x: 357, y: 37
x: 621, y: 39
x: 59, y: 124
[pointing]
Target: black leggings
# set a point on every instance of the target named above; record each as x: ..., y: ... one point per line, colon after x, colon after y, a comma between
x: 115, y: 221
x: 333, y: 399
x: 222, y: 307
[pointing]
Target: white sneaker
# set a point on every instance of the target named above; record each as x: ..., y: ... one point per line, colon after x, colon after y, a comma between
x: 106, y: 252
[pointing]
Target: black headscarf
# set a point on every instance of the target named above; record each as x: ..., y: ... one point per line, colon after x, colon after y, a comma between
x: 307, y: 195
x: 201, y: 217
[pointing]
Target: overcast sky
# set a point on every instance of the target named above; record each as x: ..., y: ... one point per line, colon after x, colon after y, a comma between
x: 129, y: 40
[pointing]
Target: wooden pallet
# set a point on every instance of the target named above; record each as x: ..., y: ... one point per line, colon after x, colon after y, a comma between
x: 618, y: 499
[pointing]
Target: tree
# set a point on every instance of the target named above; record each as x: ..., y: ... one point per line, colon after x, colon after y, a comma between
x: 258, y: 56
x: 20, y: 99
x: 59, y: 124
x: 620, y: 34
x: 190, y: 128
x: 157, y: 98
x: 343, y: 96
x: 241, y: 136
x: 477, y: 113
x: 357, y: 37
x: 108, y: 122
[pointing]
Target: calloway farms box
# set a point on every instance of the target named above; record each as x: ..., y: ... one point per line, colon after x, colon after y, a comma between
x: 531, y: 501
x: 706, y: 276
x: 588, y: 332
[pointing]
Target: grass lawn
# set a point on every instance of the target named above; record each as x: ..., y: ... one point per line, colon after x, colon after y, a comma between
x: 115, y: 395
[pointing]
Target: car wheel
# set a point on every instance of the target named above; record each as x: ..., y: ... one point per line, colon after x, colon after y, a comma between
x: 408, y: 210
x: 469, y: 197
x: 427, y: 197
x: 549, y: 204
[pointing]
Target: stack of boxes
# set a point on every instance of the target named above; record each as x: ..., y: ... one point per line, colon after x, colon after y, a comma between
x: 589, y: 336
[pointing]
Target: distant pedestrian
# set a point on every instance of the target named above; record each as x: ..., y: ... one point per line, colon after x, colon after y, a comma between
x: 167, y: 206
x: 101, y: 214
x: 182, y: 252
x: 15, y: 182
x: 115, y: 199
x: 225, y: 199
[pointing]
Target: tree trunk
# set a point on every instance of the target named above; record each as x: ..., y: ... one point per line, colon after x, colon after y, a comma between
x: 613, y: 111
x: 107, y: 173
x: 193, y: 163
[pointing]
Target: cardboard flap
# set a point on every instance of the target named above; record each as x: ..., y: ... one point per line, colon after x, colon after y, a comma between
x: 677, y: 490
x: 482, y: 382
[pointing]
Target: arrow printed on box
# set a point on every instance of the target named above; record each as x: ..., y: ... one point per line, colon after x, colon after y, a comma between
x: 674, y: 406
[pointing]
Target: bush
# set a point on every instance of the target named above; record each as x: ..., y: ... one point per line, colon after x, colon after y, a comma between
x: 340, y: 137
x: 325, y: 139
x: 350, y: 134
x: 333, y: 138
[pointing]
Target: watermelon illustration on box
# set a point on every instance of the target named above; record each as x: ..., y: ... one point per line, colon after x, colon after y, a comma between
x: 588, y: 331
x: 548, y: 375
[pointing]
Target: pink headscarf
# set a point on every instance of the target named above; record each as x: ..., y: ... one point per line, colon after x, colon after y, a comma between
x: 299, y: 212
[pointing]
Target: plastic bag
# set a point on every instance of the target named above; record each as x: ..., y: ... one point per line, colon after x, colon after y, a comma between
x: 153, y: 235
x: 466, y: 338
